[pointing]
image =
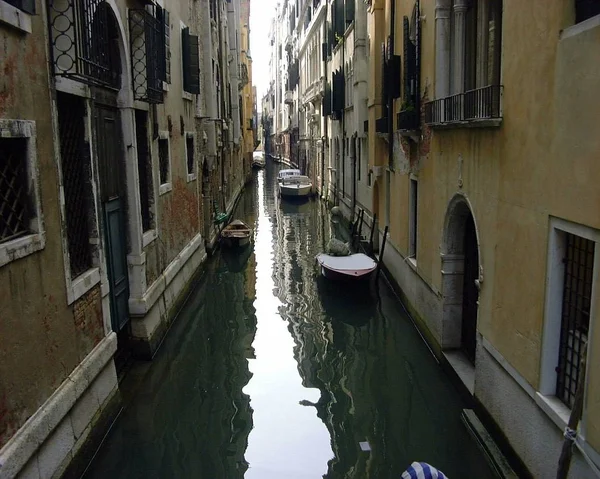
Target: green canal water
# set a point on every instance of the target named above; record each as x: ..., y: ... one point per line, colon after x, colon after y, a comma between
x: 271, y: 372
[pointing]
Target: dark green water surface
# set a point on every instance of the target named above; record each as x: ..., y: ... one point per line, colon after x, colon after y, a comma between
x: 270, y: 372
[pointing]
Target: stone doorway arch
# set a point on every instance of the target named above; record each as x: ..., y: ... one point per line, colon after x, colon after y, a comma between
x: 461, y: 278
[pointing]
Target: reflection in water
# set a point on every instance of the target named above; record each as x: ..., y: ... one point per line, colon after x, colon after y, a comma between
x: 273, y: 372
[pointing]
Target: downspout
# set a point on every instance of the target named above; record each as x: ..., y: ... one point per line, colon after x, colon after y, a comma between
x: 390, y: 100
x: 354, y: 179
x: 325, y: 137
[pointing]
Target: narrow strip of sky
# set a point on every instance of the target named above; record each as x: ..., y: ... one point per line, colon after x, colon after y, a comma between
x: 261, y: 14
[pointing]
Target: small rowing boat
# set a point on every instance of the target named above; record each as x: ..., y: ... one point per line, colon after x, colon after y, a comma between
x: 236, y: 233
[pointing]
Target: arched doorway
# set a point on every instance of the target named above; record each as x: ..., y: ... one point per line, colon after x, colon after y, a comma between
x: 460, y: 278
x: 107, y: 46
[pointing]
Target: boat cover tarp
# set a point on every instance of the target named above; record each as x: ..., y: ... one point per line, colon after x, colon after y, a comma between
x: 353, y: 262
x: 422, y: 470
x: 335, y: 247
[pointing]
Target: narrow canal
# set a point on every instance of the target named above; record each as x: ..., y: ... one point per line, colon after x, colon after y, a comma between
x: 271, y: 372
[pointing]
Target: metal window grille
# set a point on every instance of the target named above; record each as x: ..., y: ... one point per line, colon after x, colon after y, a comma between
x: 147, y: 38
x: 84, y: 41
x: 15, y: 211
x: 163, y: 160
x: 189, y: 143
x: 75, y: 166
x: 144, y: 168
x: 577, y: 292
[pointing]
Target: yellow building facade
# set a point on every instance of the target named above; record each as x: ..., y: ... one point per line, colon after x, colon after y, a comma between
x: 247, y: 94
x: 488, y: 182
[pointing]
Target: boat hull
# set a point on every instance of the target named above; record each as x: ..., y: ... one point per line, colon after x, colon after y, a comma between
x: 294, y: 190
x: 235, y: 242
x: 357, y: 267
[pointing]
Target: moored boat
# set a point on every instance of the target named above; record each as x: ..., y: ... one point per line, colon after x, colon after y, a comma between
x: 295, y: 186
x: 282, y: 174
x: 236, y: 233
x: 258, y: 159
x: 353, y: 267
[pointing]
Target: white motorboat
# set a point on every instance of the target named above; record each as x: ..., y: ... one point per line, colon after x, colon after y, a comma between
x: 295, y: 186
x: 352, y: 267
x: 258, y: 159
x: 286, y: 173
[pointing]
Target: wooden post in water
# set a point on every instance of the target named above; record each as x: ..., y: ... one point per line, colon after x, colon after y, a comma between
x: 380, y: 261
x: 361, y: 215
x: 564, y: 462
x: 373, y: 226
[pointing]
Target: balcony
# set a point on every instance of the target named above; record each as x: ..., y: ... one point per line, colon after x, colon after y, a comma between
x: 474, y: 108
x: 289, y: 97
x: 408, y: 120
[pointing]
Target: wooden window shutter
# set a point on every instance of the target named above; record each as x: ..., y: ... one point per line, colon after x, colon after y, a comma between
x: 167, y: 32
x: 185, y: 57
x: 349, y: 11
x: 191, y: 62
x: 194, y: 65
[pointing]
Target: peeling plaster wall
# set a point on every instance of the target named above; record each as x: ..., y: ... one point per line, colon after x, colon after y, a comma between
x: 43, y: 339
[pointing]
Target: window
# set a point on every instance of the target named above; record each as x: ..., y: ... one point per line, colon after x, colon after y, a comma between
x: 76, y: 175
x: 144, y: 170
x: 470, y: 89
x: 21, y: 227
x: 14, y: 210
x: 190, y: 158
x: 412, y: 228
x: 164, y: 161
x: 190, y: 62
x: 575, y: 320
x: 28, y: 6
x: 585, y: 9
x: 147, y: 42
x: 570, y: 296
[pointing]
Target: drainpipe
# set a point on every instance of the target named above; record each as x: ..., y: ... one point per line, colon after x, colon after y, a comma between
x: 354, y: 179
x: 390, y: 100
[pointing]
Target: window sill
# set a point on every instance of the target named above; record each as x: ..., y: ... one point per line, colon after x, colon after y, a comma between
x: 165, y: 86
x: 21, y: 247
x: 191, y: 177
x: 412, y: 262
x: 187, y: 96
x: 481, y: 123
x: 82, y: 284
x: 148, y: 237
x: 15, y: 17
x: 556, y: 410
x: 165, y: 188
x: 579, y: 28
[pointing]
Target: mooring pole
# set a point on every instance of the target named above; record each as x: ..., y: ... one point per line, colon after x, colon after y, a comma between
x: 361, y: 215
x: 373, y: 226
x: 380, y: 260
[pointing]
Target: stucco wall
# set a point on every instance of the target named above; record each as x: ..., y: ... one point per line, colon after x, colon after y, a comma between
x: 42, y: 339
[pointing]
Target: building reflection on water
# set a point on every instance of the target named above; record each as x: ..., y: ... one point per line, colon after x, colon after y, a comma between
x: 272, y: 372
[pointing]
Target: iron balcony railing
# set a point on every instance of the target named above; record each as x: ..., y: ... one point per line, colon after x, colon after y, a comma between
x: 408, y: 120
x: 479, y: 104
x: 83, y: 41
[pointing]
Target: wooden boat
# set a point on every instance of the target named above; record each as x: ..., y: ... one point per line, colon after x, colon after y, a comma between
x: 295, y: 186
x: 353, y: 267
x: 236, y: 233
x: 258, y: 159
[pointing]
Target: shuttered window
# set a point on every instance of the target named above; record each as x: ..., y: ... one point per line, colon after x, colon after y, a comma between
x: 191, y: 62
x: 167, y: 46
